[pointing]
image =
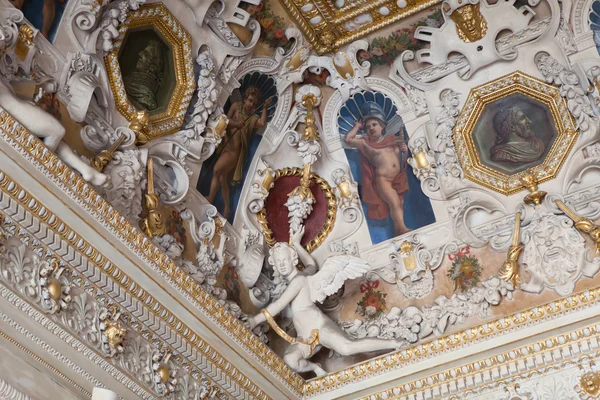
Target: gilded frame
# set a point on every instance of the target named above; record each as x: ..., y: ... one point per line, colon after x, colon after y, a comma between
x: 323, y: 24
x: 479, y: 97
x: 329, y: 219
x: 157, y: 16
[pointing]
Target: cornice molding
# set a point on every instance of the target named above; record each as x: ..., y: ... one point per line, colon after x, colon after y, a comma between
x: 8, y: 392
x: 12, y: 132
x: 509, y: 367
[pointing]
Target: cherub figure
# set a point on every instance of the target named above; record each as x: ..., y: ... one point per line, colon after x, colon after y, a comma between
x: 243, y: 122
x: 47, y: 128
x: 383, y: 165
x: 314, y: 328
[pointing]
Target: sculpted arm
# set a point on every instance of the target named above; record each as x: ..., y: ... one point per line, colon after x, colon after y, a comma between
x: 310, y: 266
x: 286, y: 298
x: 263, y: 117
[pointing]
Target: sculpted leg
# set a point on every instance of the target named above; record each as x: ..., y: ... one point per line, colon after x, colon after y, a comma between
x: 225, y: 194
x: 220, y: 170
x: 39, y: 122
x: 72, y: 160
x: 48, y: 13
x: 214, y: 187
x: 346, y: 347
x: 294, y: 357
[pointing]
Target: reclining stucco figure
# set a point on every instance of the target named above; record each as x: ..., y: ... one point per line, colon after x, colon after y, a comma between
x: 314, y: 328
x: 47, y: 128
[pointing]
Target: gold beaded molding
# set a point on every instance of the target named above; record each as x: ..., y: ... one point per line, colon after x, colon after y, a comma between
x: 522, y: 363
x: 323, y: 24
x: 29, y: 146
x: 34, y: 207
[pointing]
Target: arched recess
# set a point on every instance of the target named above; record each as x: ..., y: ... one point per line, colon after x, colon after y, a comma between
x: 335, y: 103
x: 579, y: 22
x: 270, y: 134
x: 386, y: 217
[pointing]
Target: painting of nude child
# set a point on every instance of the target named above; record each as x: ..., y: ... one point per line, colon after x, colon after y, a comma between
x: 375, y: 142
x: 248, y: 110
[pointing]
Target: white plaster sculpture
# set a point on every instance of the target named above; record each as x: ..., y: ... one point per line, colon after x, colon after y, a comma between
x: 124, y: 190
x: 314, y: 328
x: 555, y: 255
x: 103, y: 394
x: 47, y: 128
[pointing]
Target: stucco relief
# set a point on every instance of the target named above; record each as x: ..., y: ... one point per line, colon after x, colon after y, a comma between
x: 370, y: 169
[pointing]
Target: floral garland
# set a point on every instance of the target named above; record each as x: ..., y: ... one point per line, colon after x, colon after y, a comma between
x: 384, y: 50
x: 465, y: 271
x: 273, y: 26
x: 372, y: 304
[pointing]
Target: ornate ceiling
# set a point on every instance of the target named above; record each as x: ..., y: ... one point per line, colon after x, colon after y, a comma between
x: 300, y: 199
x: 331, y: 24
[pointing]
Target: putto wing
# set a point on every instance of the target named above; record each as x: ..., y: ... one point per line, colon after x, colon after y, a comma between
x: 336, y: 270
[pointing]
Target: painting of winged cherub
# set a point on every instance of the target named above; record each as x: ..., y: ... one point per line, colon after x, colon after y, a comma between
x: 248, y: 111
x: 377, y: 151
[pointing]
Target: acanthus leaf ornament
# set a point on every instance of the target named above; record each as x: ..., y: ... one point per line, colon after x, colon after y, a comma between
x: 346, y: 191
x: 102, y: 159
x: 510, y: 269
x: 582, y: 224
x: 571, y: 90
x: 153, y: 223
x: 164, y: 372
x: 55, y: 287
x: 413, y: 323
x: 210, y: 241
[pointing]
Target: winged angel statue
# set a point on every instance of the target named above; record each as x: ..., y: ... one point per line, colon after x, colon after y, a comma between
x: 313, y: 327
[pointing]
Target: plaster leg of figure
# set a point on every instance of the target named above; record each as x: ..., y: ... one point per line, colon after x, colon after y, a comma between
x: 395, y: 203
x: 72, y: 160
x: 214, y: 187
x: 295, y: 358
x: 103, y: 394
x: 347, y: 347
x: 39, y: 122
